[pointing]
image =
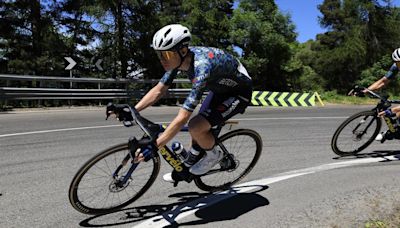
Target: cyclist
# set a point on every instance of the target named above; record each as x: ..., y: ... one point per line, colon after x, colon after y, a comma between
x: 212, y: 69
x: 384, y: 81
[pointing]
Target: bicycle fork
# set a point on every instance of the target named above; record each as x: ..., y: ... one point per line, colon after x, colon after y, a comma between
x: 136, y: 155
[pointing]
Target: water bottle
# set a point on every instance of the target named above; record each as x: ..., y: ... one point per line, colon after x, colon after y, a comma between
x: 177, y: 147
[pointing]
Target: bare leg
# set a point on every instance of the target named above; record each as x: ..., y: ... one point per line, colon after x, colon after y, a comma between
x: 199, y: 129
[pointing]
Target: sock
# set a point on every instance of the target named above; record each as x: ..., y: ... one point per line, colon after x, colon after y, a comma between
x: 195, y: 150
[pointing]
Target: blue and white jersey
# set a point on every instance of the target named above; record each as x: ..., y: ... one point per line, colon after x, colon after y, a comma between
x: 392, y: 71
x: 215, y: 70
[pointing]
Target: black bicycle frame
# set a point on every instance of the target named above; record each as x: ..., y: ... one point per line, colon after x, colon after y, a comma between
x: 152, y: 131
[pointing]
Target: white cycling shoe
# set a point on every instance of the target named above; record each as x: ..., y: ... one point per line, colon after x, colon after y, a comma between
x: 379, y: 137
x: 168, y: 178
x: 210, y: 159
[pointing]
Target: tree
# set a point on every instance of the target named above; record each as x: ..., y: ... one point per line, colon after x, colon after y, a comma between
x: 264, y: 35
x: 359, y: 33
x: 30, y: 39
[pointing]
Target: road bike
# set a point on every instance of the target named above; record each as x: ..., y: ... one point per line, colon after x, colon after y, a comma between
x: 119, y: 175
x: 359, y: 130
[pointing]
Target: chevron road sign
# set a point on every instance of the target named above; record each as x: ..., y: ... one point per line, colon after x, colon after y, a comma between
x: 286, y: 99
x: 98, y: 64
x: 71, y: 63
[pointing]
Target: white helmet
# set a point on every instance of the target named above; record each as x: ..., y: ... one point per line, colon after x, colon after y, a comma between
x: 169, y: 36
x: 396, y: 55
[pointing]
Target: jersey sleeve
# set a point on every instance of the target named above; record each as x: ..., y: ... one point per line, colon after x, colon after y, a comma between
x: 392, y: 71
x: 199, y: 82
x: 168, y: 77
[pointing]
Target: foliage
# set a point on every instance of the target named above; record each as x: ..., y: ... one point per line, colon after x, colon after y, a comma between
x: 264, y: 35
x: 359, y: 34
x: 35, y: 36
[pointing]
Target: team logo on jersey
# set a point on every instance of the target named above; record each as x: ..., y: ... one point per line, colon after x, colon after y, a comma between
x: 227, y: 82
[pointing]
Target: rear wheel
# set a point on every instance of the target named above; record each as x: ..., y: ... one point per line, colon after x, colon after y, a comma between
x: 95, y: 190
x: 356, y: 133
x: 242, y: 149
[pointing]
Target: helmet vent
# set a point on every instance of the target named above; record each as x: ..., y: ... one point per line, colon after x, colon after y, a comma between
x: 166, y: 33
x: 168, y: 42
x: 161, y: 41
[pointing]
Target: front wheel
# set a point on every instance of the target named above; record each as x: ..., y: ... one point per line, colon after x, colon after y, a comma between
x: 97, y: 189
x: 356, y: 133
x: 242, y: 149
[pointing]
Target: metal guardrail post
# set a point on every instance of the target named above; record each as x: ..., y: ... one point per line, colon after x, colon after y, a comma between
x: 99, y: 87
x: 5, y: 99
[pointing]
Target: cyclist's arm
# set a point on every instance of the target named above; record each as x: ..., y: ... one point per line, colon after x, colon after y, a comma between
x: 183, y: 116
x: 176, y: 125
x: 184, y: 113
x: 152, y: 96
x: 384, y: 81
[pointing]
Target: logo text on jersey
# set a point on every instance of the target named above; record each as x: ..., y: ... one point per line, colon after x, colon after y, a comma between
x: 228, y: 82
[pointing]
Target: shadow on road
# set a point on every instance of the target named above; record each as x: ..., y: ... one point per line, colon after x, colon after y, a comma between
x: 229, y: 209
x: 374, y: 154
x: 210, y: 208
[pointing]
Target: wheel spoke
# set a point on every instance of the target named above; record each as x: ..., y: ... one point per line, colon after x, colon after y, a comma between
x: 245, y: 147
x: 356, y: 133
x: 95, y: 191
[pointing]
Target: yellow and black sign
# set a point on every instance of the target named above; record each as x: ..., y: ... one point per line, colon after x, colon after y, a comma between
x: 286, y: 99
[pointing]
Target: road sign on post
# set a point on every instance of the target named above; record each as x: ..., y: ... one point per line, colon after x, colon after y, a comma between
x: 71, y: 63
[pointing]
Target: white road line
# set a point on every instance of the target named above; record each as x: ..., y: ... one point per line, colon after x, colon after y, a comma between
x: 187, y: 209
x: 294, y: 118
x: 57, y: 130
x: 120, y: 125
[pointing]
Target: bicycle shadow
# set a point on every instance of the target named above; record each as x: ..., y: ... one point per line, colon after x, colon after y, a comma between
x: 210, y: 208
x: 374, y: 154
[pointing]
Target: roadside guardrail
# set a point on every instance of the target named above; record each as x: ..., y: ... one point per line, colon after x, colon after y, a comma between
x: 57, y: 88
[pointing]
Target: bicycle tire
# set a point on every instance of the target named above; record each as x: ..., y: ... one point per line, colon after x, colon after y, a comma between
x: 353, y: 151
x: 74, y: 196
x: 202, y: 181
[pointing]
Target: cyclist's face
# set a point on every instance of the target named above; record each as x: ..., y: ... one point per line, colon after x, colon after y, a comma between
x: 398, y: 64
x: 169, y: 59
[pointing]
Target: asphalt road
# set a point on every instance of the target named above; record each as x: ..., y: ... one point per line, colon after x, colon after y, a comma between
x: 40, y: 151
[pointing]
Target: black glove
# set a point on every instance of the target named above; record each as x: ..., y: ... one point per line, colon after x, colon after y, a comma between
x: 357, y: 91
x: 122, y: 112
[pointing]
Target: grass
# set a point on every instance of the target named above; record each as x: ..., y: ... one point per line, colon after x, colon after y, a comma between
x: 332, y: 97
x: 391, y: 220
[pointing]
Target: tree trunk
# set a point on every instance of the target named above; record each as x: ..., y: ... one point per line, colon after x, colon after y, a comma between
x: 36, y: 34
x: 120, y: 33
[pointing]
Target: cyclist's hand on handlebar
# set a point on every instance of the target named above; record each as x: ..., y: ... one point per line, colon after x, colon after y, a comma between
x: 387, y: 113
x: 357, y: 91
x: 121, y: 113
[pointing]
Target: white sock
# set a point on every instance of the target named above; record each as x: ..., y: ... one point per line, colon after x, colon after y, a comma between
x: 194, y: 151
x: 212, y: 150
